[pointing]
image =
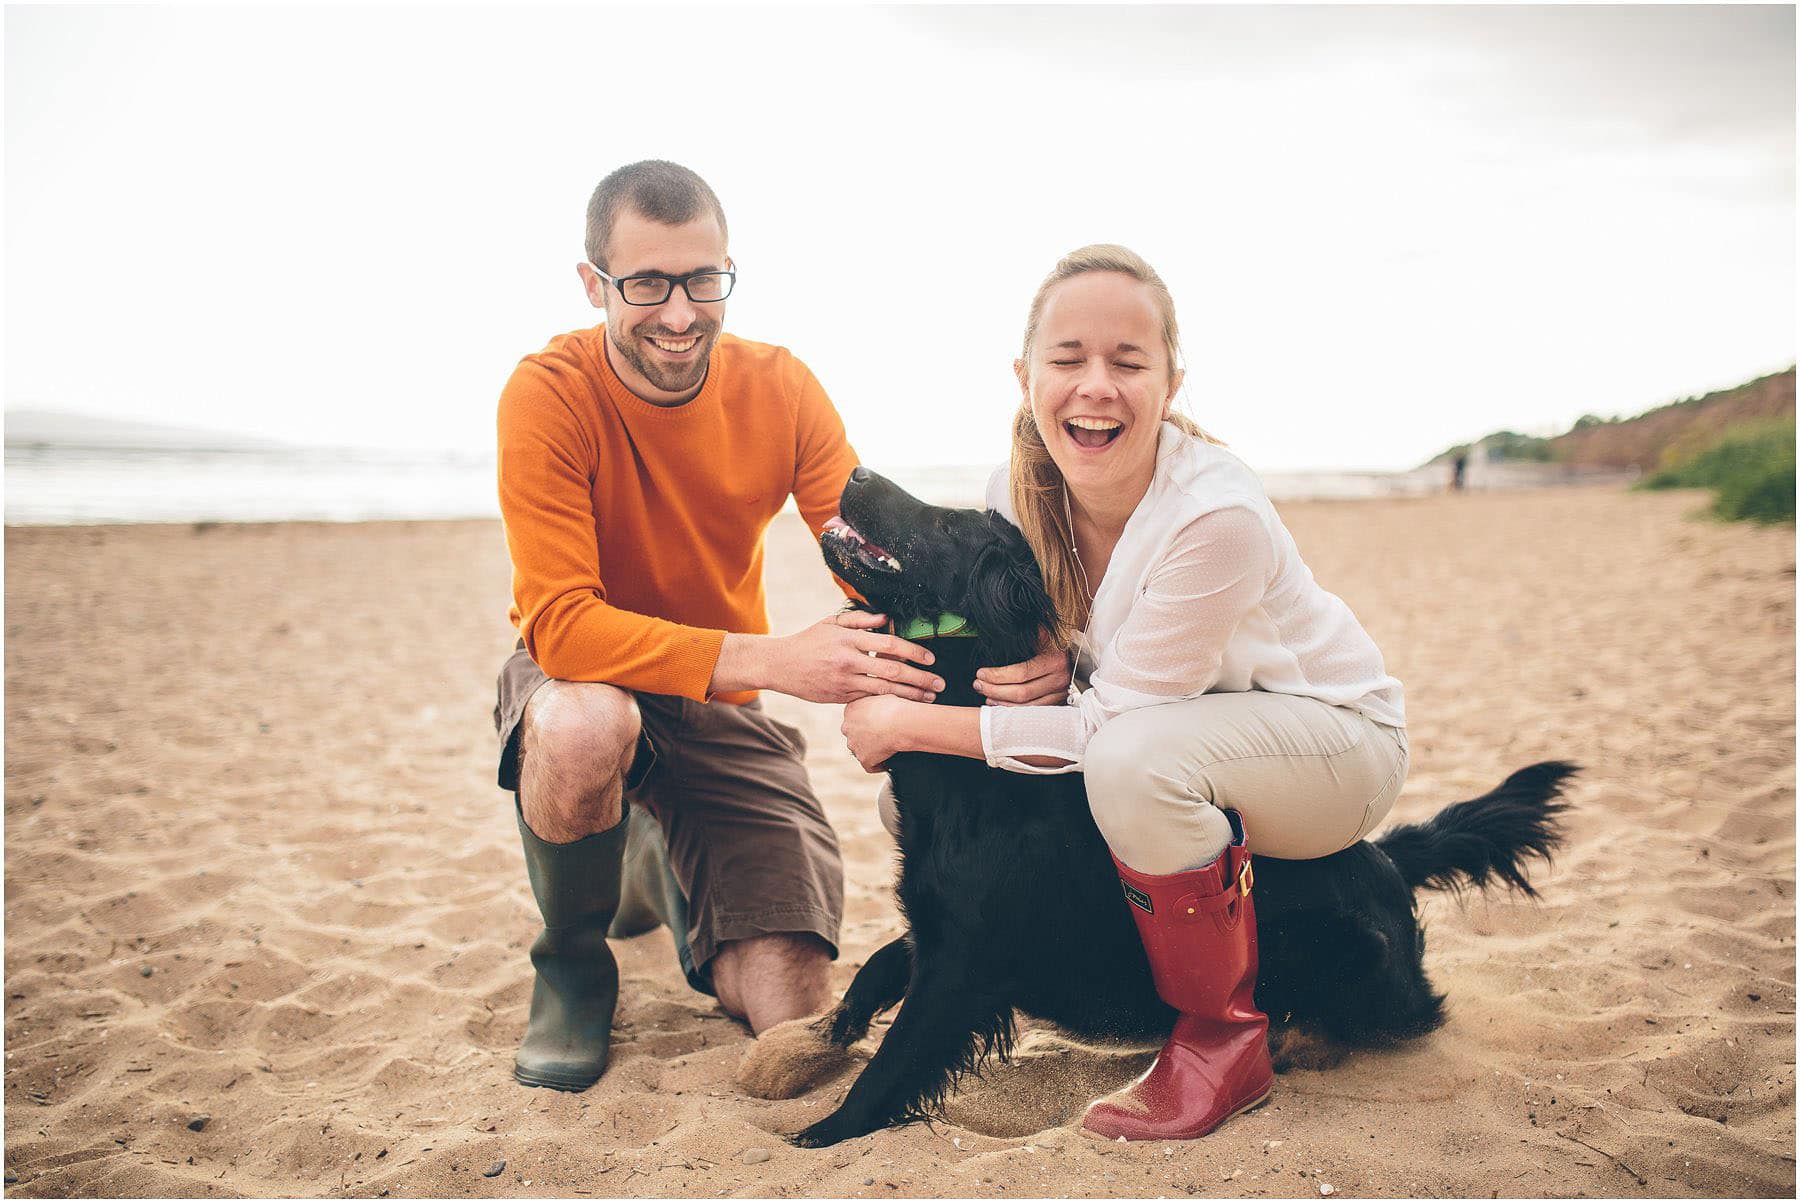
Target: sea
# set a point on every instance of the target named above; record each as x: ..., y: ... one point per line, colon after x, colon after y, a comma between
x: 53, y: 485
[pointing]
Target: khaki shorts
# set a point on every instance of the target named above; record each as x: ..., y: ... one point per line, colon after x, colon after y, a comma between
x: 748, y: 841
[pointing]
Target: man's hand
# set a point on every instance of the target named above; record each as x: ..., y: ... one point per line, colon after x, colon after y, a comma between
x: 837, y: 659
x: 1042, y: 680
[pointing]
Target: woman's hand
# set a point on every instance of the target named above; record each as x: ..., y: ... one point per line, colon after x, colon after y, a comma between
x: 871, y: 729
x: 1042, y: 680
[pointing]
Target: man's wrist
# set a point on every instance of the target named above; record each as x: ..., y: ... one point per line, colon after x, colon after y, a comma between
x: 742, y: 664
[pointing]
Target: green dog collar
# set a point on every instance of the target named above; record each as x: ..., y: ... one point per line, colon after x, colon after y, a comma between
x: 945, y: 626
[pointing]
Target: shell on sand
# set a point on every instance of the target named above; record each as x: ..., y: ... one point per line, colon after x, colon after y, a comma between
x: 258, y: 760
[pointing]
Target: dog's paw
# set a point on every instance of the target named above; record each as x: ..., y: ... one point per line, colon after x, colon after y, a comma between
x: 1302, y: 1048
x: 834, y: 1129
x: 821, y: 1135
x: 790, y: 1059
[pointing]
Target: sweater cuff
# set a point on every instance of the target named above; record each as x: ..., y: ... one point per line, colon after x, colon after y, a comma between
x: 694, y: 658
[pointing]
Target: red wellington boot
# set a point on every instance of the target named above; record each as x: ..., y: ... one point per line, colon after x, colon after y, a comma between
x: 1199, y: 930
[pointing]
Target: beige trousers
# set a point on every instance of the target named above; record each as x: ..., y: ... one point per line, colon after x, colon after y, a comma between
x: 1307, y: 778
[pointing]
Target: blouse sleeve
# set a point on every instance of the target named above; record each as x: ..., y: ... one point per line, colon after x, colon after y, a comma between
x: 996, y: 496
x: 1170, y: 647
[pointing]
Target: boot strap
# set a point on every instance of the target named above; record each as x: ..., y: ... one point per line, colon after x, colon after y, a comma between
x: 1238, y: 890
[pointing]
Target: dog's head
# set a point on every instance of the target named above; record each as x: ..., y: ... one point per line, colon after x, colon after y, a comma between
x: 917, y: 561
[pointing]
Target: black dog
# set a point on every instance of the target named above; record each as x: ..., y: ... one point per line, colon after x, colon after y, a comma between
x: 1013, y: 902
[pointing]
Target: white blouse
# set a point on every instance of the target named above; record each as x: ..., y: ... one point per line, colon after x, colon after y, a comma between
x: 1205, y: 593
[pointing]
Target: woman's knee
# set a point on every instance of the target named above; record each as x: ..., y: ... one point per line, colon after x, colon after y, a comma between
x: 1155, y: 811
x: 887, y: 805
x: 1122, y: 779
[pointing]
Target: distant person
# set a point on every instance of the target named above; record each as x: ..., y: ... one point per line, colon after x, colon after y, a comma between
x: 1229, y: 701
x: 639, y: 463
x: 1475, y: 475
x: 1459, y: 468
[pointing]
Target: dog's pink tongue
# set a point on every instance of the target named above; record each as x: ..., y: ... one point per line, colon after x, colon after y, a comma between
x: 835, y: 522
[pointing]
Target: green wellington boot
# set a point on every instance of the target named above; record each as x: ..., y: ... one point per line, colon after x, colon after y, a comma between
x: 649, y: 894
x: 577, y: 890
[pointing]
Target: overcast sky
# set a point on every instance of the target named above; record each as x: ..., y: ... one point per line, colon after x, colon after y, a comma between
x: 1387, y: 230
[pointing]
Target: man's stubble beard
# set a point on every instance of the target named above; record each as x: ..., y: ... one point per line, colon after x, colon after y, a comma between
x: 663, y: 376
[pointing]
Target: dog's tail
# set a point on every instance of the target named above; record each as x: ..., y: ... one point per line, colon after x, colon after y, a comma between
x: 1475, y: 843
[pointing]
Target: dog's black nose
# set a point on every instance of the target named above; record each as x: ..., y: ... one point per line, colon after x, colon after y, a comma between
x: 860, y: 475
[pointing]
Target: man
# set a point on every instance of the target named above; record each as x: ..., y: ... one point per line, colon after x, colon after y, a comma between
x: 639, y: 463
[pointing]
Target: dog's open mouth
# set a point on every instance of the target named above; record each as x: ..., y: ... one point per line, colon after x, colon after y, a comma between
x: 1093, y: 432
x: 859, y: 549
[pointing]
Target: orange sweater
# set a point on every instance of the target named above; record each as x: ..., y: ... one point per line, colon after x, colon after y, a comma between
x: 636, y: 531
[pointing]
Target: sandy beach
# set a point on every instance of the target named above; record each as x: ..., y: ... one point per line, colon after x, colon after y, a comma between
x: 267, y: 917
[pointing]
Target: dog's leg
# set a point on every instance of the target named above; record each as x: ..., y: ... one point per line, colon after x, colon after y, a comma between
x: 944, y: 1028
x: 878, y: 985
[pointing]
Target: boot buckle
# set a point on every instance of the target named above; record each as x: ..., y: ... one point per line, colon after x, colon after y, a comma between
x: 1245, y: 879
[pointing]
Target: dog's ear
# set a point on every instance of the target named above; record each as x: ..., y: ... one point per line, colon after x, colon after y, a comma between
x: 1006, y: 601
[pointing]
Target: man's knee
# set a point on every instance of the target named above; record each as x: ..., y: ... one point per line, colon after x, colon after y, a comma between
x: 576, y: 743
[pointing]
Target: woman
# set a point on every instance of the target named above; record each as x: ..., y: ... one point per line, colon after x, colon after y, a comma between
x: 1229, y: 700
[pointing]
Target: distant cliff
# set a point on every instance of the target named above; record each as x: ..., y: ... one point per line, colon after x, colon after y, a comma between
x: 1672, y: 433
x: 1656, y: 439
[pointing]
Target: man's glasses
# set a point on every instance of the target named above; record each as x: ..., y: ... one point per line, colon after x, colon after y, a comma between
x: 701, y: 287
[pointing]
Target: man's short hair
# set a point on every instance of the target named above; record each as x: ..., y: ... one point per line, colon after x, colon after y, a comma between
x: 664, y: 192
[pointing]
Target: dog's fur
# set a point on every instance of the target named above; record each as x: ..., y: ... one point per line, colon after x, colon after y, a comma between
x: 1012, y: 901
